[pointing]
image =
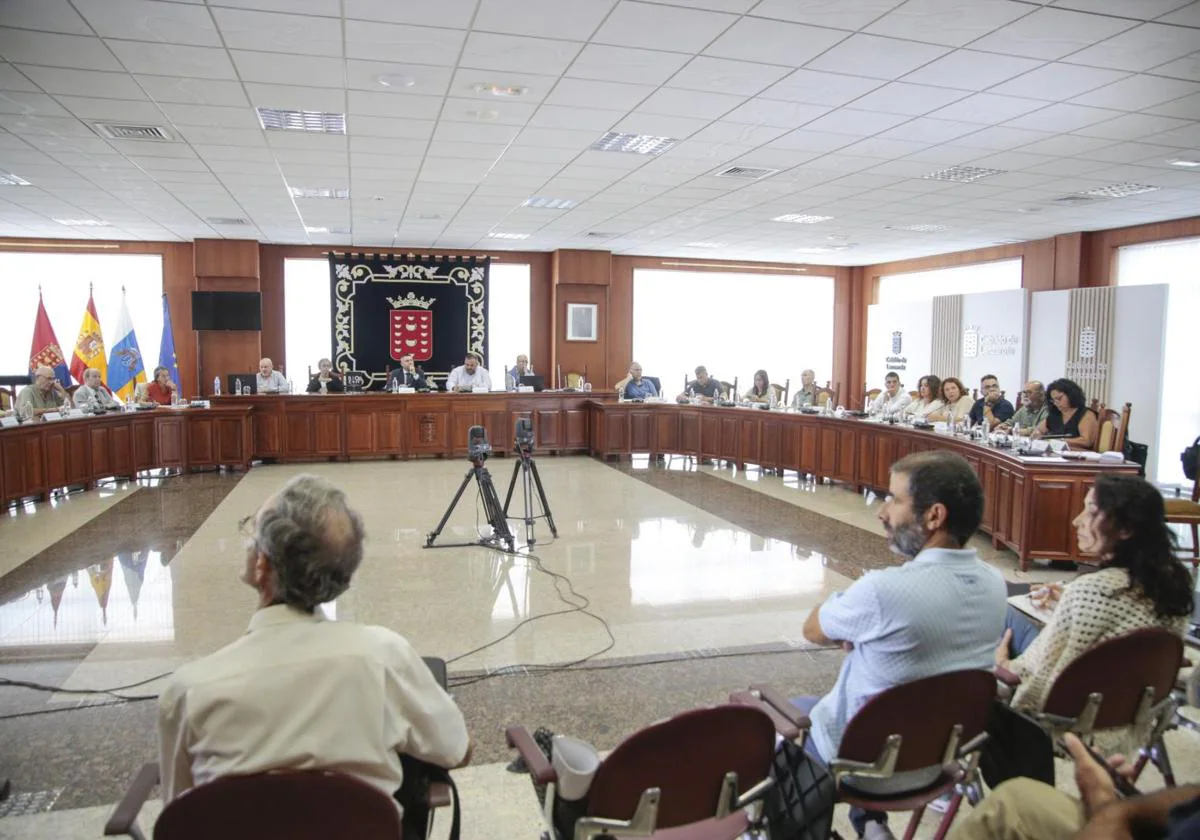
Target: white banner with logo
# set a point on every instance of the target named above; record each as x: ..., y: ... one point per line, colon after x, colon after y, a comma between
x: 994, y: 330
x: 900, y: 339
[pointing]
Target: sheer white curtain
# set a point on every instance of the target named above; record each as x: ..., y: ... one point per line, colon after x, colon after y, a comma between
x: 733, y: 324
x: 64, y: 279
x: 508, y: 320
x: 997, y: 276
x: 306, y: 317
x: 1175, y: 263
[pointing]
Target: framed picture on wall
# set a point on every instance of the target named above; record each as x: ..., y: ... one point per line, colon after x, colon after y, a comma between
x: 581, y: 322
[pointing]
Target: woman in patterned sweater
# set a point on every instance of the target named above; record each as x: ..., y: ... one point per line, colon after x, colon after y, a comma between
x: 1140, y: 584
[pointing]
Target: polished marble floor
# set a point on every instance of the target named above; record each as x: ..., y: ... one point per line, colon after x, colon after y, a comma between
x: 697, y: 578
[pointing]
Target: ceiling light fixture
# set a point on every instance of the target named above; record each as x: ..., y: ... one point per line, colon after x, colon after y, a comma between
x: 1122, y: 190
x: 316, y: 122
x: 1186, y: 163
x: 315, y: 229
x: 801, y: 218
x: 312, y: 192
x: 920, y: 228
x: 541, y: 202
x: 7, y: 179
x: 395, y: 80
x: 501, y: 235
x: 963, y: 174
x: 635, y: 144
x: 707, y: 245
x: 82, y: 222
x: 225, y: 220
x: 499, y: 90
x: 822, y: 249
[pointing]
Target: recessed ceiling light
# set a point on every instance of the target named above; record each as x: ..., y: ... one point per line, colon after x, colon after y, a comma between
x: 318, y: 122
x: 225, y: 220
x: 549, y: 203
x: 7, y: 179
x: 801, y: 218
x: 82, y: 222
x: 483, y: 115
x: 501, y: 235
x: 312, y: 192
x: 964, y: 174
x: 1122, y: 190
x: 312, y: 229
x: 1187, y: 163
x: 499, y: 90
x: 395, y: 80
x: 920, y: 228
x: 707, y: 245
x: 636, y: 144
x: 430, y: 216
x: 822, y: 249
x: 323, y: 229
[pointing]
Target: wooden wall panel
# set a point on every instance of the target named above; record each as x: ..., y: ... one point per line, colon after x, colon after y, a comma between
x: 226, y: 265
x: 274, y: 334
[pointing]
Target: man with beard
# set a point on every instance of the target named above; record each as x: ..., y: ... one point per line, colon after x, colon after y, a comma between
x: 940, y: 611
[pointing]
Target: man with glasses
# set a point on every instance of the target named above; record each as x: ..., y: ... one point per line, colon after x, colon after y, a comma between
x: 991, y: 406
x: 297, y: 691
x: 46, y: 394
x: 1032, y: 411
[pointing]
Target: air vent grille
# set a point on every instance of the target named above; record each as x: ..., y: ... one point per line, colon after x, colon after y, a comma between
x: 225, y: 220
x: 1123, y: 190
x: 963, y: 174
x: 125, y: 131
x: 750, y: 173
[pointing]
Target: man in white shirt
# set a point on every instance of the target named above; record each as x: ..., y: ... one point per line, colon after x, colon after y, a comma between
x: 469, y: 374
x: 891, y: 399
x: 92, y: 395
x: 515, y: 373
x: 271, y: 381
x: 298, y: 691
x: 941, y: 611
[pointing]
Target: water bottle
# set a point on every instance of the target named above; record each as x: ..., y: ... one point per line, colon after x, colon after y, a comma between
x: 216, y: 386
x: 237, y: 386
x: 772, y: 400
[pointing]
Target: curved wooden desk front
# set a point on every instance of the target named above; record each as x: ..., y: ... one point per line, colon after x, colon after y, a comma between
x: 1029, y: 503
x: 37, y: 457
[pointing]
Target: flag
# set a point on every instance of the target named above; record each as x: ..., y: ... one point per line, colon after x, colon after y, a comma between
x: 89, y: 347
x: 46, y: 350
x: 125, y: 368
x: 166, y: 348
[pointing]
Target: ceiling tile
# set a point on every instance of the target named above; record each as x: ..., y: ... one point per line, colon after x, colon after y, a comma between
x: 1183, y: 68
x: 1188, y: 15
x: 544, y: 56
x: 57, y: 80
x: 556, y: 138
x: 905, y: 98
x: 856, y: 122
x: 13, y: 79
x: 494, y: 113
x: 1140, y: 9
x: 273, y: 32
x: 1058, y: 81
x: 1187, y: 108
x: 569, y: 19
x: 971, y: 70
x: 173, y: 59
x: 210, y: 115
x: 558, y: 116
x: 871, y: 55
x: 633, y: 24
x: 820, y: 88
x: 1066, y: 145
x: 987, y: 108
x: 659, y: 125
x: 390, y: 127
x: 811, y: 141
x: 836, y: 14
x: 1002, y: 137
x: 622, y: 64
x: 731, y: 132
x: 449, y: 13
x: 1062, y: 117
x: 390, y: 105
x: 144, y: 20
x: 465, y: 82
x: 772, y: 112
x: 926, y: 130
x: 725, y: 76
x: 950, y: 22
x: 198, y: 91
x: 584, y: 93
x: 1133, y: 126
x: 690, y: 103
x: 400, y: 78
x: 774, y: 42
x: 475, y: 133
x: 23, y: 47
x: 303, y: 98
x: 1141, y: 48
x: 1051, y: 34
x: 281, y: 69
x: 46, y: 16
x: 222, y: 136
x: 124, y: 110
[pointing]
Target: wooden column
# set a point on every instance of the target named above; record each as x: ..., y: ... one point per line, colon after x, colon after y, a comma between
x: 581, y: 277
x: 225, y: 265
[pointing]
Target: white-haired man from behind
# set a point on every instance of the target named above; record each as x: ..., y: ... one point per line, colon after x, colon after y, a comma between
x: 298, y: 691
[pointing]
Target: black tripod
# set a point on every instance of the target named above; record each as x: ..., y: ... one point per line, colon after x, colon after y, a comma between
x: 491, y: 505
x: 529, y: 479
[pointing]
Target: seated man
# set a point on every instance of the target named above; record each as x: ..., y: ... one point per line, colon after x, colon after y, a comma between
x: 92, y: 395
x: 1032, y: 411
x: 806, y: 394
x: 298, y: 691
x: 635, y: 386
x: 891, y: 399
x: 707, y: 389
x: 936, y: 613
x: 407, y: 375
x: 469, y: 374
x: 515, y: 373
x: 43, y: 395
x: 271, y: 381
x: 326, y: 380
x: 991, y: 406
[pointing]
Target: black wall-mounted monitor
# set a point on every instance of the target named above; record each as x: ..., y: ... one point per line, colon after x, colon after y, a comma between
x: 226, y: 311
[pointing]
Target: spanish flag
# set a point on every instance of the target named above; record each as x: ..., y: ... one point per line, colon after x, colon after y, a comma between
x: 89, y: 347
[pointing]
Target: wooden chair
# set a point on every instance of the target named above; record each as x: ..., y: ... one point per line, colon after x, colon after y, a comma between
x: 1185, y: 512
x: 729, y: 390
x: 871, y: 394
x: 10, y: 386
x: 575, y: 380
x: 692, y: 775
x: 937, y: 724
x: 781, y: 391
x: 826, y: 396
x: 914, y: 394
x: 1113, y: 428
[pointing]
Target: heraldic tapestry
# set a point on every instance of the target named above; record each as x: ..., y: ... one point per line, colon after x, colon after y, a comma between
x: 386, y: 305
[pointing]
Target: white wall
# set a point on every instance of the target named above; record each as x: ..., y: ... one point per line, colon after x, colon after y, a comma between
x: 1136, y: 376
x: 914, y: 322
x: 996, y: 324
x: 1049, y: 314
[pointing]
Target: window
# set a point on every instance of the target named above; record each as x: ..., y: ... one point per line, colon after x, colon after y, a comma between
x: 307, y: 323
x: 1175, y: 263
x: 733, y: 324
x: 64, y: 279
x: 508, y: 320
x: 998, y: 276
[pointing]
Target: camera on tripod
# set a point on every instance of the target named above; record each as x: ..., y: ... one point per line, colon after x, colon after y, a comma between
x: 524, y: 436
x: 478, y: 447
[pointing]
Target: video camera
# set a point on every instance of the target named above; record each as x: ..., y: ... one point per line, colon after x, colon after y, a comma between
x: 478, y: 447
x: 524, y: 435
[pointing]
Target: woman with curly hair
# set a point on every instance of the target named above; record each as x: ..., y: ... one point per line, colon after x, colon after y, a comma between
x: 1068, y: 416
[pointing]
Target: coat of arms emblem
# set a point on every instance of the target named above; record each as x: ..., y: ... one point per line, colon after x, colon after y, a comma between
x: 897, y: 341
x: 1087, y: 343
x: 411, y: 327
x: 970, y: 342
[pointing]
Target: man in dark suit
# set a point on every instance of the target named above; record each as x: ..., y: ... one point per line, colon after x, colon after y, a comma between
x: 407, y: 375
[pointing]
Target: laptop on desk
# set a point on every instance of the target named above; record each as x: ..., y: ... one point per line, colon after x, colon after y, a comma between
x: 536, y: 380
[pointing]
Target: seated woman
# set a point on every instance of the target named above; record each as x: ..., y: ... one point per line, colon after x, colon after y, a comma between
x: 326, y: 381
x: 956, y: 403
x: 1068, y: 416
x: 761, y: 392
x: 1140, y: 584
x: 160, y: 391
x: 928, y: 398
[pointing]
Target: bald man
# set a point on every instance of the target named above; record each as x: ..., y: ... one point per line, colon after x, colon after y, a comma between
x: 44, y: 395
x: 271, y: 381
x: 93, y: 396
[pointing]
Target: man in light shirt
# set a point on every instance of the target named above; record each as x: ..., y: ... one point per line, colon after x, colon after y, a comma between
x: 521, y: 368
x: 297, y: 691
x: 92, y: 395
x: 271, y: 381
x: 891, y: 399
x: 940, y: 611
x: 806, y: 394
x: 469, y: 374
x: 44, y: 395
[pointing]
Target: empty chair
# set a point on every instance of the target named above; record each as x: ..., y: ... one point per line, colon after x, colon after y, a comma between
x: 1187, y: 512
x: 1113, y: 428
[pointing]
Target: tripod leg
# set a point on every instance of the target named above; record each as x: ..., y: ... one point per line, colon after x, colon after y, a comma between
x: 542, y: 496
x: 491, y: 505
x: 511, y: 484
x: 433, y: 535
x: 526, y: 491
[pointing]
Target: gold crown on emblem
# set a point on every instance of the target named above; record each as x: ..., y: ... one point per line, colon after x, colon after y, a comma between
x: 411, y: 300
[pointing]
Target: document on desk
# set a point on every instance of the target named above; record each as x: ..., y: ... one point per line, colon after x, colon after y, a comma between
x: 1025, y: 604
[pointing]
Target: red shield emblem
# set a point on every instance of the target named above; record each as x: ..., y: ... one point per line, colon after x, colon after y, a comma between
x: 412, y: 332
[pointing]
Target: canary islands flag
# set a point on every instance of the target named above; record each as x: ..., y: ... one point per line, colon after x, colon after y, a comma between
x: 89, y: 347
x: 125, y: 368
x: 166, y: 348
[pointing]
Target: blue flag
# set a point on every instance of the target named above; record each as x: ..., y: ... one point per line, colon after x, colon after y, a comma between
x: 125, y: 368
x: 166, y: 349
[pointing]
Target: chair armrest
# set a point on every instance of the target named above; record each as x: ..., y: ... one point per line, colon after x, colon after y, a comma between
x: 785, y: 725
x: 439, y: 795
x: 1007, y: 677
x: 776, y: 700
x: 123, y: 819
x: 518, y: 738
